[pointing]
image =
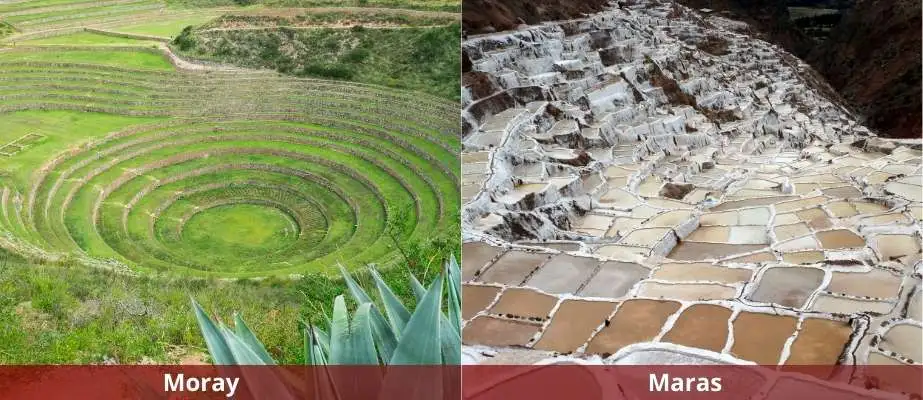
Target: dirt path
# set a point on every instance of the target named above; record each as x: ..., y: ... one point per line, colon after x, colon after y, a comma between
x: 182, y: 64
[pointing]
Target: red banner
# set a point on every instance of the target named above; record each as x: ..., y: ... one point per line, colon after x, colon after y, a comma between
x: 554, y: 382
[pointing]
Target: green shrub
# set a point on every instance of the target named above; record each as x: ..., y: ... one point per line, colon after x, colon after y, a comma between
x: 185, y: 40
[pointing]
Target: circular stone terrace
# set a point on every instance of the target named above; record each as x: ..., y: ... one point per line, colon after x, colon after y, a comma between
x: 242, y: 173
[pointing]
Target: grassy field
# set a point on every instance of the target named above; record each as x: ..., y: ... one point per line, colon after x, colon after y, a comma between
x: 168, y: 27
x: 88, y: 39
x: 417, y: 58
x: 73, y: 314
x: 60, y: 129
x: 6, y: 29
x: 429, y: 5
x: 241, y: 230
x: 128, y: 185
x: 128, y: 59
x: 118, y: 197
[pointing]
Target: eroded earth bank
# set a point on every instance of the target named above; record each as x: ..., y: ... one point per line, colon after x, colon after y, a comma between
x: 650, y: 184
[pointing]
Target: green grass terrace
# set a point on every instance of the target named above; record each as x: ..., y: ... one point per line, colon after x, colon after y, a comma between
x: 113, y: 156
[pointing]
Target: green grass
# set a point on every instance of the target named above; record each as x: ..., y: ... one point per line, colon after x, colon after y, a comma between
x: 338, y: 18
x: 89, y: 11
x: 4, y: 8
x: 89, y: 39
x: 240, y: 230
x: 430, y: 5
x: 61, y: 130
x: 128, y: 59
x: 72, y: 314
x: 421, y: 59
x: 6, y: 30
x: 380, y: 150
x: 168, y: 27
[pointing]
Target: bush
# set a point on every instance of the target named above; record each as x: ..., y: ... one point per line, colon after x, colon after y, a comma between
x: 328, y: 71
x: 185, y: 40
x: 356, y: 55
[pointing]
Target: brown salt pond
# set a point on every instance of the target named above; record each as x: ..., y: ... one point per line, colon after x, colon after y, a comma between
x: 491, y: 331
x: 787, y: 286
x: 513, y: 267
x: 879, y: 359
x: 762, y: 256
x: 760, y: 337
x: 669, y: 219
x: 717, y: 234
x: 635, y: 321
x: 573, y: 323
x: 815, y: 218
x: 895, y: 246
x: 686, y: 291
x: 614, y: 279
x: 703, y: 326
x: 840, y: 239
x: 701, y: 272
x: 524, y: 303
x: 477, y: 298
x: 563, y: 274
x: 820, y: 342
x: 645, y: 237
x: 618, y: 251
x: 803, y: 257
x: 475, y: 256
x: 719, y: 218
x: 693, y: 251
x: 738, y: 204
x: 842, y: 305
x: 875, y: 283
x: 886, y: 219
x: 622, y: 226
x: 905, y: 340
x: 785, y: 232
x: 799, y: 204
x: 842, y: 209
x: 842, y: 192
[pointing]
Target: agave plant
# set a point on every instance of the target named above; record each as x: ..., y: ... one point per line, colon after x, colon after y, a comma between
x: 427, y: 336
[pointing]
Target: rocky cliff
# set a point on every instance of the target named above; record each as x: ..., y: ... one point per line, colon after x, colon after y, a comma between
x: 873, y: 59
x: 482, y: 16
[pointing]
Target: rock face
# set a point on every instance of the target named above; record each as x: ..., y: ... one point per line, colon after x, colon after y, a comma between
x: 873, y: 59
x: 769, y: 20
x: 482, y: 16
x: 649, y: 188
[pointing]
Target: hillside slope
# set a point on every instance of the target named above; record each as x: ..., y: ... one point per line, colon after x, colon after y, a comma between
x: 483, y: 16
x: 873, y: 59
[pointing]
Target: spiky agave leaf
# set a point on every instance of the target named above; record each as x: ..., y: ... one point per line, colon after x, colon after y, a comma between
x: 243, y: 332
x: 421, y: 339
x: 418, y: 290
x: 397, y: 313
x: 427, y: 336
x: 351, y: 342
x: 240, y: 347
x: 452, y: 338
x: 385, y: 336
x: 214, y: 339
x: 454, y: 284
